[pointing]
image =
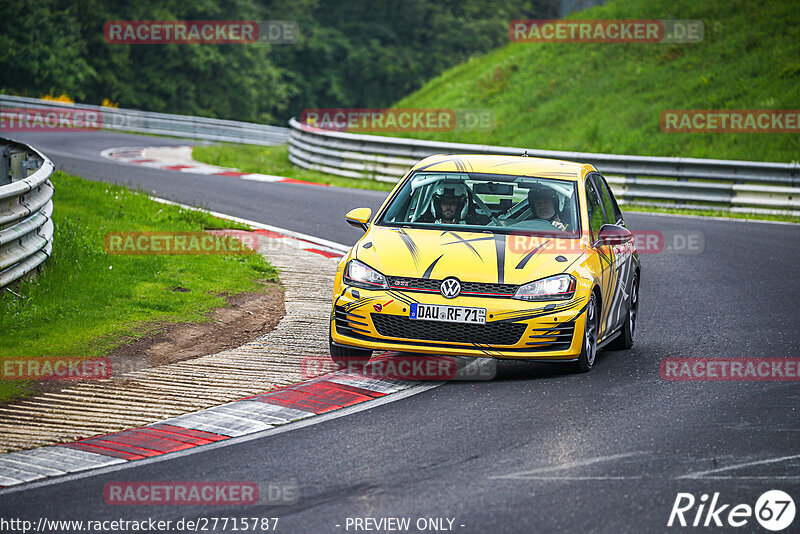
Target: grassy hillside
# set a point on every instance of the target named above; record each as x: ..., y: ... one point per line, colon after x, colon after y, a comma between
x: 608, y: 97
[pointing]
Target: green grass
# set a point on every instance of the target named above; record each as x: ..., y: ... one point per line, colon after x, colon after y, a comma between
x: 608, y: 97
x: 712, y: 213
x: 86, y: 303
x: 274, y: 160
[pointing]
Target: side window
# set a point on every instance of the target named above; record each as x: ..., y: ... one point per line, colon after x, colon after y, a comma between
x: 596, y: 218
x: 609, y: 202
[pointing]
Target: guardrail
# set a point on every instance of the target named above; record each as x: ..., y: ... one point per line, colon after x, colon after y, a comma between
x: 158, y: 123
x: 741, y: 186
x: 26, y: 208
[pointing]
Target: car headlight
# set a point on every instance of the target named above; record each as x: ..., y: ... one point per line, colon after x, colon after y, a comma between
x: 559, y: 287
x: 361, y: 275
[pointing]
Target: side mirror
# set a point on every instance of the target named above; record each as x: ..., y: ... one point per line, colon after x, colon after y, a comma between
x: 359, y: 217
x: 612, y: 234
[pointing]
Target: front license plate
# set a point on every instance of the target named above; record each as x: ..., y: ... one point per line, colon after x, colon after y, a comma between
x: 449, y: 314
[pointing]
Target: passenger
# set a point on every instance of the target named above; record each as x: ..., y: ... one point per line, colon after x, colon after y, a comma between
x: 543, y: 203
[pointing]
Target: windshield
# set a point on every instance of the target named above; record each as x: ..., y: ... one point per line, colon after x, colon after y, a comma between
x: 479, y: 202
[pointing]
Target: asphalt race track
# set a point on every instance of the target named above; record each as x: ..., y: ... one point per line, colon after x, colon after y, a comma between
x: 534, y: 450
x: 302, y: 208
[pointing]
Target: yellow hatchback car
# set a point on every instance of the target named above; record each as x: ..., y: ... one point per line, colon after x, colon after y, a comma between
x: 493, y: 256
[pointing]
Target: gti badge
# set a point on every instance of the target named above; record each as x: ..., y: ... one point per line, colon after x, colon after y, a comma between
x: 450, y: 288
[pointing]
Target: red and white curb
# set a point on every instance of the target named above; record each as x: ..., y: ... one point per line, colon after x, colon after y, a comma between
x: 180, y: 159
x: 251, y: 415
x: 277, y: 238
x: 172, y: 158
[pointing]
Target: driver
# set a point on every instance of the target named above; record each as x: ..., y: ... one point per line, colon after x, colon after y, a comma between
x: 449, y: 205
x: 543, y: 202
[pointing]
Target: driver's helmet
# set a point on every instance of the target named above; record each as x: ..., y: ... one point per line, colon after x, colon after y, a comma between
x: 454, y: 192
x: 538, y: 191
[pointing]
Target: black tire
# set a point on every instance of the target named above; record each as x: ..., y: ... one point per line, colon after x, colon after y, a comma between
x: 624, y: 340
x: 349, y: 357
x: 589, y: 347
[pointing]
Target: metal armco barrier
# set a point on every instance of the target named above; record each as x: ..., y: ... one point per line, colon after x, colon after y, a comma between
x: 741, y: 186
x: 160, y: 123
x: 26, y: 208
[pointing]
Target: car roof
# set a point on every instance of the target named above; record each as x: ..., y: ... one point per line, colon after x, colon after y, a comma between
x: 513, y: 165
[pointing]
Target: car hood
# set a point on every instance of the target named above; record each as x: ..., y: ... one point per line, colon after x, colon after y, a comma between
x: 469, y: 256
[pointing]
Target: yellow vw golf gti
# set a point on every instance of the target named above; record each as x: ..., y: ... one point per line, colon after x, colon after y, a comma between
x: 493, y: 256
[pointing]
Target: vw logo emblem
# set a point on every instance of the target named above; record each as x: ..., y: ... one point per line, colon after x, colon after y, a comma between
x: 450, y: 288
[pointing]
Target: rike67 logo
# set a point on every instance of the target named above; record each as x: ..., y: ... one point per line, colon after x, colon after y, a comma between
x: 774, y: 510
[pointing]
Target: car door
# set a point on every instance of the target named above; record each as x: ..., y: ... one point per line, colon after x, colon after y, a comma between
x: 622, y: 260
x: 604, y: 253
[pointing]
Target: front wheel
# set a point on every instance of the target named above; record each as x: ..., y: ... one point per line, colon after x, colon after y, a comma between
x: 589, y: 348
x: 624, y: 340
x: 348, y: 356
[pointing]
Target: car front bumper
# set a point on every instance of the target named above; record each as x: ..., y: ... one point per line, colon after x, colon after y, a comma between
x: 514, y: 329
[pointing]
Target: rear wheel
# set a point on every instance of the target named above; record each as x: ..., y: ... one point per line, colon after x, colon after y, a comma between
x: 589, y: 349
x: 624, y: 340
x: 349, y: 356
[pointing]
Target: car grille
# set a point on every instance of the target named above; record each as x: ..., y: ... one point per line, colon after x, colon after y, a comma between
x: 558, y: 337
x: 472, y: 289
x: 485, y: 334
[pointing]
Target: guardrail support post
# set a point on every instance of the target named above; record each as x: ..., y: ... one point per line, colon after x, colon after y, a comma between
x: 29, y: 166
x: 5, y: 178
x: 15, y: 163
